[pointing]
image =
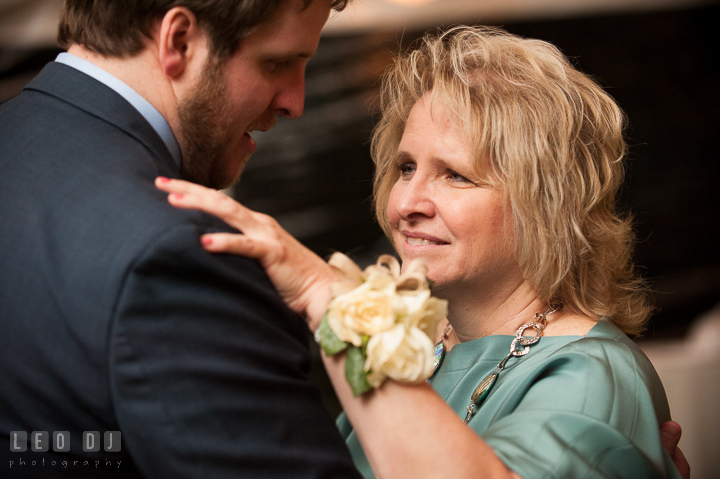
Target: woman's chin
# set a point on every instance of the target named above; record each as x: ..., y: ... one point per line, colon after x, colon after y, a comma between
x: 440, y: 286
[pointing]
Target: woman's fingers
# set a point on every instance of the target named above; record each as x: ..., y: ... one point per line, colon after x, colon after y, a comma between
x: 301, y: 277
x: 262, y: 237
x: 170, y: 185
x: 184, y: 194
x: 670, y: 433
x: 241, y: 245
x: 260, y: 231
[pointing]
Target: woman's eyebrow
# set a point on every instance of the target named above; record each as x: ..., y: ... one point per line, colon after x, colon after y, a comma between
x: 402, y: 156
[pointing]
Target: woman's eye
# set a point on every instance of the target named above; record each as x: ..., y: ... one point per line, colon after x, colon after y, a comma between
x: 456, y: 177
x: 406, y: 169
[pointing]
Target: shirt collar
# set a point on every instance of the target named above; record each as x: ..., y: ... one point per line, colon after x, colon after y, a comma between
x: 149, y: 112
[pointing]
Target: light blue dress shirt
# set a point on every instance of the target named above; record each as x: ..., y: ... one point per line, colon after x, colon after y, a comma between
x: 149, y: 112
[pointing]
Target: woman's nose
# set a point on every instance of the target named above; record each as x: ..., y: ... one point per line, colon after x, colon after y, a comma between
x: 415, y: 199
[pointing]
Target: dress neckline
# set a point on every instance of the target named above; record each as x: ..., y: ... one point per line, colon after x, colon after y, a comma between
x: 494, y: 348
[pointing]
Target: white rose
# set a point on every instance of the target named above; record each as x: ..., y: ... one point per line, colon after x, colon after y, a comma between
x: 425, y: 312
x: 364, y: 311
x: 409, y: 302
x: 401, y: 353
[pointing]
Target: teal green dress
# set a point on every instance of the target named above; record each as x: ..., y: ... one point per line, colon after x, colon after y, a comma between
x: 573, y: 407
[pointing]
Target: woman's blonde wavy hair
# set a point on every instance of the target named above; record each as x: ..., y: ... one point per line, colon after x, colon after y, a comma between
x: 551, y: 138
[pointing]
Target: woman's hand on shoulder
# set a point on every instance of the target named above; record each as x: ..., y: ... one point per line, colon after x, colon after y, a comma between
x: 670, y: 433
x: 300, y: 276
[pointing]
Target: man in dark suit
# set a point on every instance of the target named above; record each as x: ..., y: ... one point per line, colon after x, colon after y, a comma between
x: 112, y: 317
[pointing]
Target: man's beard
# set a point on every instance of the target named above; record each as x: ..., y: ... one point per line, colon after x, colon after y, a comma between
x: 206, y: 131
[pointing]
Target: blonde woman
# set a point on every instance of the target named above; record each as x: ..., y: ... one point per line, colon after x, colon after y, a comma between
x: 498, y: 164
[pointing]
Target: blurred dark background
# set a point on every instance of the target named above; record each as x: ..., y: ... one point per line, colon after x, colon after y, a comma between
x: 315, y: 174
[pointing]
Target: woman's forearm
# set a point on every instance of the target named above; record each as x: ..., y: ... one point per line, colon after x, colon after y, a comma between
x: 407, y: 431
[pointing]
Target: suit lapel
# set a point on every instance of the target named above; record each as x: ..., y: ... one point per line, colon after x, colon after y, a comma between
x: 91, y: 96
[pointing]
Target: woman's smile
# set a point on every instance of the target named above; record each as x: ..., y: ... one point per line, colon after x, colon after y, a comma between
x: 421, y: 239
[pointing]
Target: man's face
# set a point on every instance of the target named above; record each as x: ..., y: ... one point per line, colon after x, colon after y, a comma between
x: 265, y: 78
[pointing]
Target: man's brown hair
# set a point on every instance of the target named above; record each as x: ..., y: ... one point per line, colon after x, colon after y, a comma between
x: 119, y: 28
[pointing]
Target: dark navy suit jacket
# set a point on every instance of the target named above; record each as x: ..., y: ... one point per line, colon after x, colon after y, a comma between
x: 113, y: 318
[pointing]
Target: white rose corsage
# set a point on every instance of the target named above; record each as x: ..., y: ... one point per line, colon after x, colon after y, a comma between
x: 384, y: 320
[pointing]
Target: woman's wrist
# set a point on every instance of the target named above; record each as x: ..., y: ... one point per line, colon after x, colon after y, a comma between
x: 319, y: 299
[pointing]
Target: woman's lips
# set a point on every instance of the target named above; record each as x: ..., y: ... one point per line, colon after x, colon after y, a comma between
x: 420, y: 242
x: 421, y: 239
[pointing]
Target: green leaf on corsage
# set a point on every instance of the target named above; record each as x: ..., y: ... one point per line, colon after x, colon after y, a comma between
x: 355, y: 372
x: 330, y: 343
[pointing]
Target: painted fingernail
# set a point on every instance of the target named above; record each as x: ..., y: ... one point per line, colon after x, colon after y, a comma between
x: 163, y: 179
x: 177, y: 196
x: 206, y: 240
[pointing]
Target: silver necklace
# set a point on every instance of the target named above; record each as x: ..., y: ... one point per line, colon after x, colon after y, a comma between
x: 519, y: 347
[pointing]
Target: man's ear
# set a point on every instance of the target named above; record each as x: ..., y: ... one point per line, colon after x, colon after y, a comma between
x: 181, y: 42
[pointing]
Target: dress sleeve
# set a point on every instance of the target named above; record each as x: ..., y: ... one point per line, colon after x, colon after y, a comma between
x: 343, y: 425
x: 590, y: 411
x: 208, y: 371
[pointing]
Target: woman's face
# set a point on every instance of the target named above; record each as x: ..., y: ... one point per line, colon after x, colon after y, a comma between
x: 441, y: 211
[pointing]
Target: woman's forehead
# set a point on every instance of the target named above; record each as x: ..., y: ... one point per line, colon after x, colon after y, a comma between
x: 460, y: 126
